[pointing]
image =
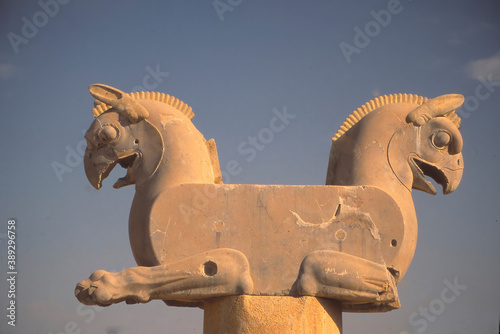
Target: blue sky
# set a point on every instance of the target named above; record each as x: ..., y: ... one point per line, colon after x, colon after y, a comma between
x: 234, y: 68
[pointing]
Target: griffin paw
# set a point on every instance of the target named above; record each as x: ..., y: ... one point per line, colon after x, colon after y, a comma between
x: 104, y: 288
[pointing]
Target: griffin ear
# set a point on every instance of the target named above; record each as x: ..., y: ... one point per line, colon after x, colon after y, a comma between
x: 106, y: 94
x: 119, y: 100
x: 438, y: 106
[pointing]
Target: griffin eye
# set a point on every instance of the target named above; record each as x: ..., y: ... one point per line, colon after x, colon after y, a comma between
x: 108, y: 133
x: 441, y: 139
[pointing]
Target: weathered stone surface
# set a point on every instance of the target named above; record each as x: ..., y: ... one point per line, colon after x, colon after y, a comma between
x: 278, y: 314
x: 197, y: 239
x: 277, y: 227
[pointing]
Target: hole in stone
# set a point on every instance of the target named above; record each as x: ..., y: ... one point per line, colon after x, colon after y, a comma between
x: 136, y: 141
x: 210, y: 268
x: 218, y: 226
x: 394, y: 242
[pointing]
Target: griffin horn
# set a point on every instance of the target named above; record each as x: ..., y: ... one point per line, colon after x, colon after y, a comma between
x: 438, y: 106
x: 119, y: 100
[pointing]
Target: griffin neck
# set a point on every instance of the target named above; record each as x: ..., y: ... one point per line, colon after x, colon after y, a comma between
x: 185, y: 157
x: 360, y: 157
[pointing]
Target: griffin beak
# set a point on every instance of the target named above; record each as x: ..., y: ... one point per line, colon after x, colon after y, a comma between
x: 97, y: 167
x: 454, y: 177
x: 448, y: 175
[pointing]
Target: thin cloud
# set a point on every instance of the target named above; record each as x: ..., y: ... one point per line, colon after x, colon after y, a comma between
x: 484, y: 68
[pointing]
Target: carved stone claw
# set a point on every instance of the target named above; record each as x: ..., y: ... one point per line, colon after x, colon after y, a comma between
x: 104, y: 288
x: 329, y: 274
x: 218, y: 272
x: 84, y: 289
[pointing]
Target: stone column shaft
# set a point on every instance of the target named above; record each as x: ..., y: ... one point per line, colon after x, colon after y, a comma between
x: 273, y: 315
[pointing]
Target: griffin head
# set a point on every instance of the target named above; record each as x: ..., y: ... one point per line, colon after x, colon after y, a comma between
x: 121, y: 134
x: 433, y: 144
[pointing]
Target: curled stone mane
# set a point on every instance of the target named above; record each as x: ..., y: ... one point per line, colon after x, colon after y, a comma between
x: 380, y: 101
x: 100, y: 107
